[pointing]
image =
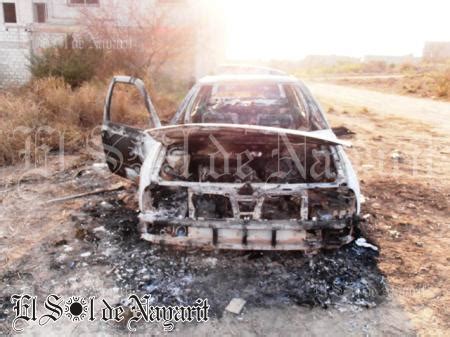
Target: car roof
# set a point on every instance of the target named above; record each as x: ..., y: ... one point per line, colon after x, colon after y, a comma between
x: 248, y: 78
x: 231, y: 68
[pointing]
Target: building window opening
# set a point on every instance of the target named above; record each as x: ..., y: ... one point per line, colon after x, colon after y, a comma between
x: 40, y: 12
x: 9, y: 12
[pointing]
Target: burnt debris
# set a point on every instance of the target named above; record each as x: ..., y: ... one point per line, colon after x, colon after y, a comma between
x: 331, y: 278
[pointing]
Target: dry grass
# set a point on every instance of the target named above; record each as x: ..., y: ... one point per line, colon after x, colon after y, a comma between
x: 37, y: 117
x: 442, y: 80
x: 429, y: 83
x: 42, y: 114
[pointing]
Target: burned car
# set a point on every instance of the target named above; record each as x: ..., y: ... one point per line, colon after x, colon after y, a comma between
x: 248, y: 162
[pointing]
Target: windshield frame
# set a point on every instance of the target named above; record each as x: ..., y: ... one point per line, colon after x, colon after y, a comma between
x: 314, y: 116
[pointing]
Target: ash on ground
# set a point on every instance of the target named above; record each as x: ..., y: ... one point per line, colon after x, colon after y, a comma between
x: 178, y: 277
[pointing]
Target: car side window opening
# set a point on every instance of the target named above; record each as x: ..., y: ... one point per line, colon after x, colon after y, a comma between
x: 267, y: 104
x: 199, y: 104
x: 316, y: 117
x: 128, y: 107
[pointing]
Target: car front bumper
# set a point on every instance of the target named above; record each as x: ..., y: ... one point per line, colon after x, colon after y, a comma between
x: 245, y: 234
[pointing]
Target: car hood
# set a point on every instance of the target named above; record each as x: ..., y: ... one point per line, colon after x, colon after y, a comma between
x: 252, y: 134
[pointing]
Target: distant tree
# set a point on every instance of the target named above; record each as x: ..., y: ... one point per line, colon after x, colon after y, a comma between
x: 135, y: 39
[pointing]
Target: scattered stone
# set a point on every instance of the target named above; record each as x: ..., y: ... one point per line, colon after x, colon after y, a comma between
x: 86, y: 254
x: 61, y: 258
x: 67, y: 249
x: 211, y: 261
x: 395, y: 234
x: 236, y: 305
x: 396, y: 155
x: 363, y: 199
x: 362, y: 242
x: 79, y: 216
x: 106, y: 205
x: 73, y: 279
x: 109, y: 251
x: 99, y: 166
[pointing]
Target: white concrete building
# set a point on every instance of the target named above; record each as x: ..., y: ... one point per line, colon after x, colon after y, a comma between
x: 28, y: 25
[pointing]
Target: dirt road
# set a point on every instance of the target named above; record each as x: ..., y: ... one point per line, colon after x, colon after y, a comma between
x: 433, y: 112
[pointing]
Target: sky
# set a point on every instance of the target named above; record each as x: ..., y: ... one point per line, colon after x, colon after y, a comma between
x: 292, y: 29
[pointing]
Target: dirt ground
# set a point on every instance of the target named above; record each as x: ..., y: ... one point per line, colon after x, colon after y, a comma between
x: 88, y: 247
x: 404, y: 171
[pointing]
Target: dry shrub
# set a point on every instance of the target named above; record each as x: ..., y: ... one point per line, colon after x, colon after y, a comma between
x: 10, y: 110
x: 50, y: 108
x: 81, y: 107
x: 75, y: 61
x: 408, y: 68
x: 166, y: 106
x: 43, y: 114
x: 36, y: 117
x: 443, y: 83
x: 127, y: 106
x: 430, y: 83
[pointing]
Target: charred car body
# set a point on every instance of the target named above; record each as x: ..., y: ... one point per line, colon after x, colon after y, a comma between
x: 247, y: 162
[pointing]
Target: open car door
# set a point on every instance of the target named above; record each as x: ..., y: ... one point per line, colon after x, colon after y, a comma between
x: 124, y: 144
